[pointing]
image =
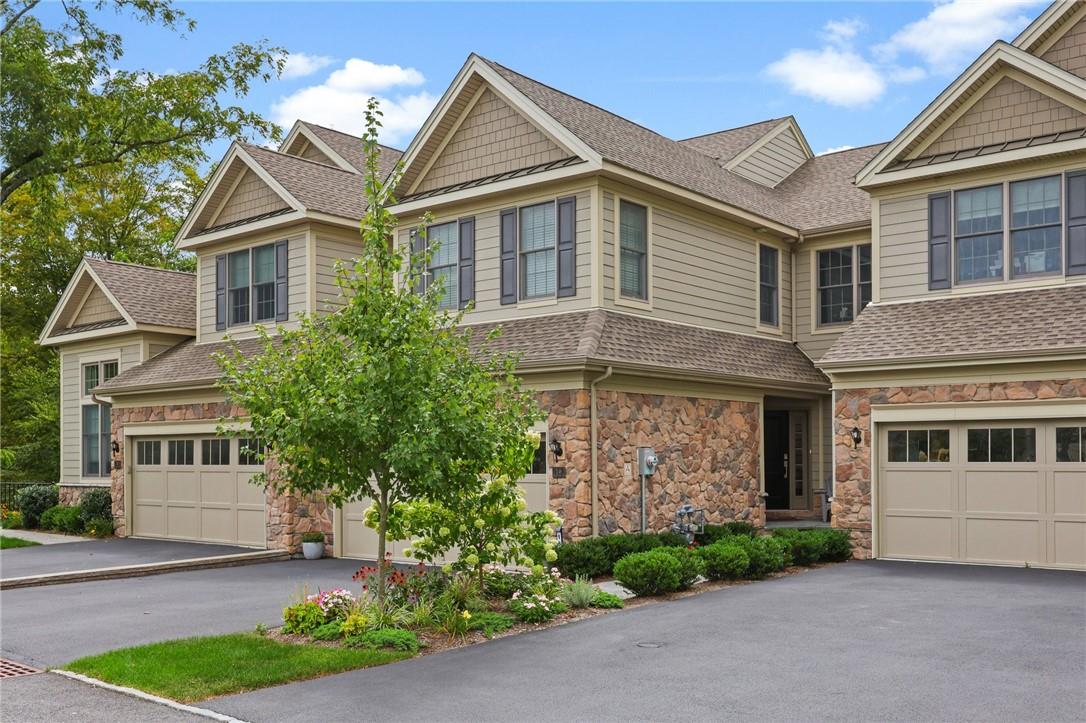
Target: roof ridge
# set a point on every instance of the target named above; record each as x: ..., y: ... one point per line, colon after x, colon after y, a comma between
x: 138, y: 266
x: 345, y: 133
x: 729, y: 130
x: 589, y: 343
x: 848, y: 150
x: 299, y: 158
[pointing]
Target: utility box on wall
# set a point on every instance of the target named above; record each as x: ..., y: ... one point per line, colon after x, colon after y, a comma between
x: 647, y: 462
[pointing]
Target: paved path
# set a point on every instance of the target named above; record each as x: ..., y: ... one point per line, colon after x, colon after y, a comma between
x: 49, y: 698
x: 44, y: 538
x: 95, y: 554
x: 861, y: 641
x: 50, y: 626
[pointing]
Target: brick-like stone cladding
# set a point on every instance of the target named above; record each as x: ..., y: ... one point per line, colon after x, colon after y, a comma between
x: 288, y: 516
x: 852, y: 488
x: 72, y: 494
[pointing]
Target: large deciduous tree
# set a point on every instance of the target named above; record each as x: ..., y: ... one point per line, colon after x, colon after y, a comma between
x: 382, y: 399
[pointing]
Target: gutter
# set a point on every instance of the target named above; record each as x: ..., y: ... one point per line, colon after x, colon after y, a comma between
x: 593, y: 435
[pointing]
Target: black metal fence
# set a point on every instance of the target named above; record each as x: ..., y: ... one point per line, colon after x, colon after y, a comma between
x: 8, y: 490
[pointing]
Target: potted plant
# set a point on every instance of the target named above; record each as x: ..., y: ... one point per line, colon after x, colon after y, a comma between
x: 313, y: 545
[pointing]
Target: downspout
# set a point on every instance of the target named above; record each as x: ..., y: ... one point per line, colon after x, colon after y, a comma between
x: 593, y: 435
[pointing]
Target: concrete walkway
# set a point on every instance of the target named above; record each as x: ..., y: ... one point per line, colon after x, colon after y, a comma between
x: 44, y: 538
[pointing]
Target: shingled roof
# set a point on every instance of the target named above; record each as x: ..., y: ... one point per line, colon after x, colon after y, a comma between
x: 350, y: 148
x: 727, y: 144
x: 584, y: 337
x: 1017, y: 323
x: 150, y: 295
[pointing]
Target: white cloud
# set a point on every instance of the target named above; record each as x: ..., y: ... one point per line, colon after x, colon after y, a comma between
x: 842, y: 31
x: 835, y: 149
x: 955, y: 32
x: 299, y: 65
x: 340, y: 100
x: 833, y: 75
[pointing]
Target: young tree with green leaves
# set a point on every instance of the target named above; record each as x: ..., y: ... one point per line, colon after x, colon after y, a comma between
x: 382, y: 399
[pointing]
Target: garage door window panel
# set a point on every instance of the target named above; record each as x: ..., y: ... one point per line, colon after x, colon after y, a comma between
x: 148, y: 452
x: 215, y: 451
x: 1069, y: 444
x: 180, y: 452
x: 1002, y: 444
x: 918, y: 445
x: 251, y: 452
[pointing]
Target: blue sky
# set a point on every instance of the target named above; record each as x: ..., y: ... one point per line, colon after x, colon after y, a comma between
x: 852, y: 73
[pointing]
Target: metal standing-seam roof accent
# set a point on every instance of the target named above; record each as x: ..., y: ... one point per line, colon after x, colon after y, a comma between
x: 150, y: 295
x: 1027, y: 322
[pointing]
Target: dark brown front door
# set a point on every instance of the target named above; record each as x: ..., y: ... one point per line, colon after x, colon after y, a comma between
x: 776, y: 460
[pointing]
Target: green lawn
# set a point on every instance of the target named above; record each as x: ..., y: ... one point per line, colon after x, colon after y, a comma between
x: 196, y: 669
x: 7, y: 543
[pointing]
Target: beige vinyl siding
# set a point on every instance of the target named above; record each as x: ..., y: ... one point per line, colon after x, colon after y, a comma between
x: 97, y: 307
x: 785, y: 293
x: 903, y: 248
x: 252, y: 197
x: 156, y: 349
x: 330, y: 248
x: 1069, y: 52
x: 1009, y: 111
x: 297, y: 283
x: 126, y: 350
x: 814, y: 342
x: 774, y: 161
x: 488, y: 306
x: 493, y: 138
x: 607, y: 257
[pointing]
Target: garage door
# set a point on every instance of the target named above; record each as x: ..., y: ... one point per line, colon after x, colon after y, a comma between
x: 987, y: 492
x: 358, y: 541
x: 197, y: 488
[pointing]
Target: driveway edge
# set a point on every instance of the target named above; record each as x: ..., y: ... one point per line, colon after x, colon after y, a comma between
x: 151, y: 568
x: 133, y: 693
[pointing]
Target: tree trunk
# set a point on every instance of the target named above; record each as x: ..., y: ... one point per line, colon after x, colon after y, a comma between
x: 382, y: 531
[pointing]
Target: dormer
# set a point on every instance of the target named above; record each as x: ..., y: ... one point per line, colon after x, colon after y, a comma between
x: 774, y: 156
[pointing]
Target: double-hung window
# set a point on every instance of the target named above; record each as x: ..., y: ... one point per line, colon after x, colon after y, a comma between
x: 443, y: 267
x: 633, y: 250
x: 978, y: 233
x: 95, y: 421
x: 844, y: 283
x: 538, y: 260
x: 1036, y: 227
x: 768, y: 286
x: 251, y: 289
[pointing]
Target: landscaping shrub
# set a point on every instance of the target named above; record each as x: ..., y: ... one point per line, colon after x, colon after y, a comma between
x: 579, y: 593
x: 354, y: 624
x: 596, y: 556
x: 10, y: 519
x: 538, y: 607
x: 803, y: 547
x: 491, y: 623
x: 34, y: 500
x: 836, y: 546
x: 96, y: 504
x: 391, y: 638
x: 328, y: 631
x: 607, y: 601
x: 336, y: 603
x: 767, y: 554
x: 691, y: 566
x: 501, y: 583
x: 313, y: 537
x: 724, y: 560
x: 715, y: 533
x: 62, y: 519
x: 650, y: 573
x: 302, y: 618
x: 99, y: 526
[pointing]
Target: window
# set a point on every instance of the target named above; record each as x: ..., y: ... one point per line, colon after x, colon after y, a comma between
x: 864, y: 282
x: 444, y: 256
x: 633, y: 250
x: 1006, y: 444
x: 239, y: 287
x: 148, y: 452
x: 835, y: 286
x: 1036, y: 227
x: 97, y: 373
x: 539, y: 461
x: 215, y: 451
x: 250, y: 452
x: 95, y: 440
x: 768, y: 293
x: 978, y: 233
x: 918, y: 445
x: 1070, y: 444
x: 537, y: 251
x: 179, y: 451
x: 251, y: 283
x: 264, y: 282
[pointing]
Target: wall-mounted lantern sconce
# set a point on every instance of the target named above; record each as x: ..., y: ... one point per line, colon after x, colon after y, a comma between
x: 556, y: 449
x: 115, y: 447
x: 857, y: 436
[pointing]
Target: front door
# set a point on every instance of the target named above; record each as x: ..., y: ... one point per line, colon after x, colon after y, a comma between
x: 777, y: 469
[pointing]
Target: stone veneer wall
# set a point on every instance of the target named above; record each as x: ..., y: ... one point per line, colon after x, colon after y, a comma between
x: 708, y: 449
x: 852, y: 488
x: 72, y: 494
x: 288, y: 516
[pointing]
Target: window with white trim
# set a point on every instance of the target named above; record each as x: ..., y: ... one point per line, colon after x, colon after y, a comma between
x: 444, y: 258
x: 978, y: 233
x: 633, y: 244
x: 251, y: 285
x: 844, y: 283
x: 768, y: 286
x: 95, y: 420
x: 538, y: 259
x: 1036, y: 227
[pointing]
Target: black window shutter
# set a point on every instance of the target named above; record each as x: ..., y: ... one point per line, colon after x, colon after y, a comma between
x: 509, y: 256
x: 1076, y: 223
x: 939, y: 241
x: 220, y: 292
x: 418, y: 251
x: 567, y: 246
x: 282, y: 306
x: 467, y: 261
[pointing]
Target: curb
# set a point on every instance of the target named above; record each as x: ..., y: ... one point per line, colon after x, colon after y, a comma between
x: 133, y: 693
x: 152, y: 568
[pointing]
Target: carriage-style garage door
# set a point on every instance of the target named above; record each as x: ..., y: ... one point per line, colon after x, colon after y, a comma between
x: 197, y: 488
x: 1001, y: 492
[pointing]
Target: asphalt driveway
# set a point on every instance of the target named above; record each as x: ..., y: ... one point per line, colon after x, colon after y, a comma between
x: 861, y: 641
x: 109, y: 552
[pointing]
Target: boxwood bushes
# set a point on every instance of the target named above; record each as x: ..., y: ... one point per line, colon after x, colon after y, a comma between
x: 596, y: 556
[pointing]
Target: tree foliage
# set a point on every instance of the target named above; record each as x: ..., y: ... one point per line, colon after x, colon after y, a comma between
x: 382, y: 399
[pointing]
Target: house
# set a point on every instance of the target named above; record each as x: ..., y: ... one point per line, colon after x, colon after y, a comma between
x: 893, y: 334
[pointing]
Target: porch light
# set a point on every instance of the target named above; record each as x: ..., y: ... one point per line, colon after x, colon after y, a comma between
x: 556, y: 449
x: 115, y: 447
x: 857, y: 437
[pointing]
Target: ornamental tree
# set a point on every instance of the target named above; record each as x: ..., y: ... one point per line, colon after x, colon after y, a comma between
x: 382, y: 399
